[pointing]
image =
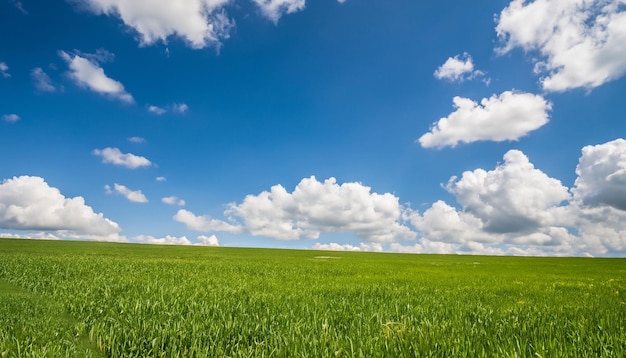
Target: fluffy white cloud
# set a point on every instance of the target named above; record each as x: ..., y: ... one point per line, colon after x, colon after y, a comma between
x: 580, y: 42
x: 274, y: 9
x: 167, y: 240
x: 128, y: 160
x: 11, y: 118
x: 516, y: 209
x: 42, y: 80
x: 205, y: 223
x: 29, y: 203
x: 508, y: 116
x: 208, y: 240
x: 458, y: 69
x: 173, y: 200
x: 442, y: 223
x: 514, y: 197
x: 4, y: 70
x: 87, y: 73
x: 161, y: 179
x: 602, y: 175
x: 199, y: 23
x: 375, y: 247
x: 311, y: 209
x: 136, y: 196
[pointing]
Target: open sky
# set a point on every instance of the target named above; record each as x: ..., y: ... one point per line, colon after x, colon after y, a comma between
x: 485, y: 127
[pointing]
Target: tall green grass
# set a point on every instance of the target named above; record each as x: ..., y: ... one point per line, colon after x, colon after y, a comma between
x: 165, y: 301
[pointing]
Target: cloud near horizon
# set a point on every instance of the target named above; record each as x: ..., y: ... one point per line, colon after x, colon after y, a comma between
x: 311, y: 209
x: 29, y: 203
x: 516, y: 209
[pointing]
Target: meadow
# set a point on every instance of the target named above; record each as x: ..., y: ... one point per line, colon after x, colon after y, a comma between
x: 89, y: 299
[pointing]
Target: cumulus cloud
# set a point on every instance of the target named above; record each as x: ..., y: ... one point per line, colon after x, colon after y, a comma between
x: 508, y: 116
x: 4, y: 70
x: 42, y: 81
x: 458, y: 69
x: 167, y: 240
x: 375, y: 247
x: 200, y: 23
x: 11, y: 118
x: 602, y: 175
x: 173, y: 200
x: 516, y: 209
x: 579, y: 43
x: 514, y: 197
x: 205, y: 223
x: 161, y: 179
x: 87, y: 73
x: 116, y: 157
x: 311, y: 209
x: 29, y: 203
x: 275, y: 9
x: 136, y: 196
x: 208, y: 240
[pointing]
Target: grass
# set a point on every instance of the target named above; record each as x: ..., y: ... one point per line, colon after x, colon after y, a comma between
x: 87, y: 299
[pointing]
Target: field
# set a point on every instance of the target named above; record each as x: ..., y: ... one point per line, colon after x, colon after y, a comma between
x: 83, y: 299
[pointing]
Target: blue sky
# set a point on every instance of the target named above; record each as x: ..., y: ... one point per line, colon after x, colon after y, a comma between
x: 486, y: 128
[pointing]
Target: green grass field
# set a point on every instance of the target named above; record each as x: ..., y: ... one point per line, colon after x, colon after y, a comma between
x: 83, y: 299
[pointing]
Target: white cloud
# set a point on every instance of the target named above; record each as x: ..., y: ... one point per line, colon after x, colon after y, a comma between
x: 173, y: 200
x: 274, y: 9
x: 208, y: 240
x: 311, y: 209
x: 128, y: 160
x: 136, y: 196
x: 442, y: 223
x: 205, y: 223
x: 602, y: 175
x: 514, y: 197
x: 508, y: 116
x: 161, y: 179
x: 4, y: 70
x: 375, y: 247
x: 11, y: 118
x: 87, y: 73
x: 156, y: 110
x: 167, y: 240
x: 580, y: 42
x: 458, y: 69
x: 29, y: 203
x: 425, y: 246
x: 199, y: 23
x: 180, y: 108
x: 138, y: 140
x: 516, y: 209
x: 42, y: 80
